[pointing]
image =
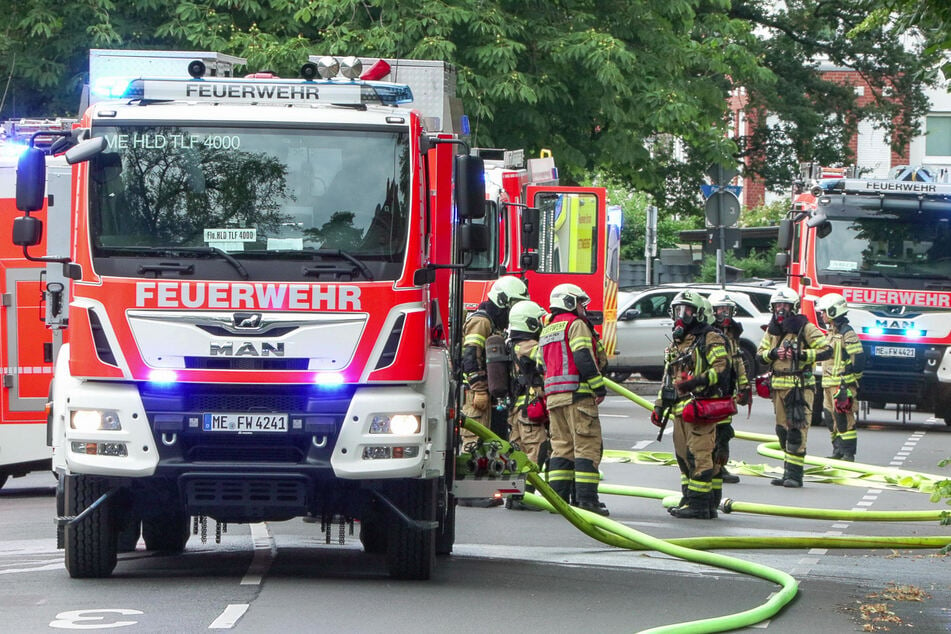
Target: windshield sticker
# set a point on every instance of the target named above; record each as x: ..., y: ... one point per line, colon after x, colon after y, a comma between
x: 151, y: 141
x: 843, y: 265
x: 285, y: 244
x: 231, y: 235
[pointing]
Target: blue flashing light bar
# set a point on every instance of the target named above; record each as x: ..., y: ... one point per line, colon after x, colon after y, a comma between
x: 110, y: 87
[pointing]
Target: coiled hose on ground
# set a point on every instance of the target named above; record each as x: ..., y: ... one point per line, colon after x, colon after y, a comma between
x: 694, y: 549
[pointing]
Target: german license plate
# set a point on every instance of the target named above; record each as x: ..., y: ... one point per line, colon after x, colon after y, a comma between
x: 248, y: 423
x: 894, y: 351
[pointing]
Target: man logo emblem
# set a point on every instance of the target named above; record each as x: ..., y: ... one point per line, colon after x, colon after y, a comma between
x: 246, y: 320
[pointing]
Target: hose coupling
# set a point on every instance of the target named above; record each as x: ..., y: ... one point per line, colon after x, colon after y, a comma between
x: 727, y: 505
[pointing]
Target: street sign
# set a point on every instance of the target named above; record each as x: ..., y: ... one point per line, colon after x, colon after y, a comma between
x: 722, y: 208
x: 722, y: 174
x: 708, y: 190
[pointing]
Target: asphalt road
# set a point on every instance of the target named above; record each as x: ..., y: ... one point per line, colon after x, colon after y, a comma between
x: 517, y: 570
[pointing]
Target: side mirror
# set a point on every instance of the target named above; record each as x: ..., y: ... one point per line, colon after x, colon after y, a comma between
x: 473, y: 238
x: 470, y: 187
x: 629, y: 314
x: 782, y: 260
x: 785, y: 234
x: 31, y: 180
x: 85, y: 150
x: 27, y: 231
x: 530, y: 233
x: 421, y: 277
x: 824, y: 229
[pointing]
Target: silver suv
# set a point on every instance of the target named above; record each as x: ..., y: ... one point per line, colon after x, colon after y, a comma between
x: 644, y: 325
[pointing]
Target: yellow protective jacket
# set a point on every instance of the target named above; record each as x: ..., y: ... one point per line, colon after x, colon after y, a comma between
x: 810, y: 345
x: 848, y: 357
x: 700, y: 354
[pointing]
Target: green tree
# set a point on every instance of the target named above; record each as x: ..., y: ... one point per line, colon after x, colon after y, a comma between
x: 637, y: 89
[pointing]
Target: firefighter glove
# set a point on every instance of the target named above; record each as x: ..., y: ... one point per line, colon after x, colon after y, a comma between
x: 480, y: 400
x: 773, y: 354
x: 843, y: 401
x: 744, y: 396
x: 691, y: 383
x: 657, y: 416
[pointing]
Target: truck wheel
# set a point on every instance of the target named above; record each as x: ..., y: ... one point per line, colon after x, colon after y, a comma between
x: 128, y: 535
x: 90, y: 544
x: 446, y: 533
x: 619, y: 377
x: 411, y: 553
x: 167, y: 533
x: 373, y: 531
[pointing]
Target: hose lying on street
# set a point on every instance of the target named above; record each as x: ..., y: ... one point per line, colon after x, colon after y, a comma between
x: 616, y: 534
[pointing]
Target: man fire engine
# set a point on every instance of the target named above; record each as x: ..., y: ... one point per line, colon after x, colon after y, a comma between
x: 258, y: 325
x: 885, y: 246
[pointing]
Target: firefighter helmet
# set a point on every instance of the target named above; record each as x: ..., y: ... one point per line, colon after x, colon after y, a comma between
x: 689, y: 298
x: 507, y: 290
x: 526, y: 316
x: 833, y: 305
x: 785, y: 295
x: 568, y: 297
x: 723, y: 305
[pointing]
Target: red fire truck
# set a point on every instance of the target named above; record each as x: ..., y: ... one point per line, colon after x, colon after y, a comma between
x: 574, y: 238
x: 30, y: 334
x: 263, y: 275
x: 885, y: 245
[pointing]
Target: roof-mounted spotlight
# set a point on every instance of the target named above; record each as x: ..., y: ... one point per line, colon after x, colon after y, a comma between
x: 196, y: 69
x: 351, y: 67
x: 328, y: 67
x: 309, y: 71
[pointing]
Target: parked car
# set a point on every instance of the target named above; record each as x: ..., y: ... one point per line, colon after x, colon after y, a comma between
x: 644, y: 325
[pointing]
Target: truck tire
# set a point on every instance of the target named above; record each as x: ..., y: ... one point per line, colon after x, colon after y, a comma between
x: 373, y: 530
x: 128, y: 535
x: 410, y: 552
x: 446, y: 533
x: 91, y: 545
x: 166, y: 533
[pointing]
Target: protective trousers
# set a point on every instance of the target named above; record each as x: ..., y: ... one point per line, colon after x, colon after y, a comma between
x: 575, y: 450
x: 842, y: 426
x: 693, y: 447
x: 721, y: 456
x: 481, y: 416
x: 793, y: 408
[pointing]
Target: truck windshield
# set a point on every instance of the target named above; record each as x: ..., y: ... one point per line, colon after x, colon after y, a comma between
x: 903, y: 252
x: 253, y: 193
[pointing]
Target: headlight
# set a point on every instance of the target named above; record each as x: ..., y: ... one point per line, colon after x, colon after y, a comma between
x: 95, y: 420
x: 398, y: 424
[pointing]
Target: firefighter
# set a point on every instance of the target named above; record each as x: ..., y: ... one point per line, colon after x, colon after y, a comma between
x: 697, y: 367
x: 724, y: 313
x: 840, y: 374
x: 574, y: 387
x: 791, y: 346
x: 527, y: 419
x: 491, y: 317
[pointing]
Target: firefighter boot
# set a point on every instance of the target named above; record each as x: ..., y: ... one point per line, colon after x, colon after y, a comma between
x: 794, y: 477
x: 781, y: 481
x: 728, y: 477
x: 561, y: 477
x: 696, y: 508
x: 586, y: 487
x: 715, y: 496
x: 836, y: 448
x: 683, y: 498
x: 848, y: 449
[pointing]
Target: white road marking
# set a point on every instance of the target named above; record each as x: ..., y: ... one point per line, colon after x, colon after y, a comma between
x: 641, y: 444
x: 264, y: 550
x: 229, y: 617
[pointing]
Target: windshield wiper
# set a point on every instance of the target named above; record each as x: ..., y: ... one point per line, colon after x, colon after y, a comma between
x: 339, y: 254
x: 227, y: 257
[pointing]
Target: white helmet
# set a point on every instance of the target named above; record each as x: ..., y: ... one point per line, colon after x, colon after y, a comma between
x: 526, y: 316
x: 833, y: 305
x: 507, y: 290
x: 568, y: 297
x: 785, y: 295
x: 723, y: 305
